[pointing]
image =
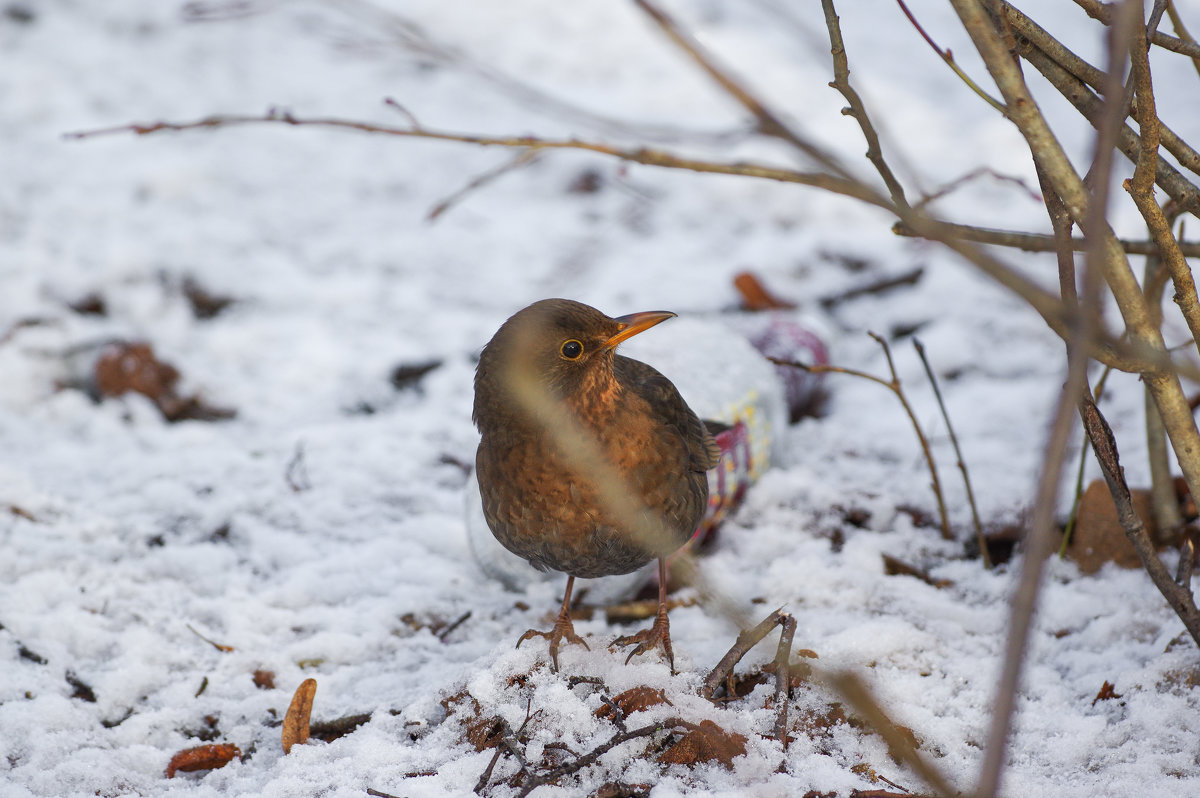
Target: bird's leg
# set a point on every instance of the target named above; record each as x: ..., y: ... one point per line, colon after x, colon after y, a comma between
x: 660, y: 633
x: 562, y: 629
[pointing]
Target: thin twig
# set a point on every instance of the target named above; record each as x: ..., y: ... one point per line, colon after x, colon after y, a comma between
x: 783, y: 678
x: 948, y: 57
x: 1078, y: 91
x: 218, y: 646
x: 746, y: 640
x: 551, y: 776
x: 895, y: 387
x: 925, y: 447
x: 973, y: 175
x: 1182, y: 32
x: 856, y: 109
x: 1103, y: 12
x: 457, y: 623
x: 521, y: 160
x: 962, y: 463
x: 873, y: 288
x: 651, y: 157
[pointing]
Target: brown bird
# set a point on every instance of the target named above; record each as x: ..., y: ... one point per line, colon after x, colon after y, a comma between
x: 591, y: 463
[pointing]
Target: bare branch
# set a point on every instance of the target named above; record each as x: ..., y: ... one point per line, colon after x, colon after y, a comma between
x: 1141, y: 188
x: 948, y: 57
x: 1058, y: 173
x: 1040, y: 242
x: 1073, y: 77
x: 1105, y: 446
x: 1182, y: 32
x: 841, y: 82
x: 1103, y: 12
x: 962, y: 463
x: 650, y: 157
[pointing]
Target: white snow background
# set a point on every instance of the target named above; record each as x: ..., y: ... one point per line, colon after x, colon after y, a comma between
x: 120, y: 533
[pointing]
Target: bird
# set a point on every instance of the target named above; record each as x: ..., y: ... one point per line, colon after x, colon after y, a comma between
x: 589, y: 463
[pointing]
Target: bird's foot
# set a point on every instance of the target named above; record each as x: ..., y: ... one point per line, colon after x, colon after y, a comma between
x: 657, y: 636
x: 562, y: 630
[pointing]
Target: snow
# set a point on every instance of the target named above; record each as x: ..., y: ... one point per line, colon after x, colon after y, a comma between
x: 321, y: 533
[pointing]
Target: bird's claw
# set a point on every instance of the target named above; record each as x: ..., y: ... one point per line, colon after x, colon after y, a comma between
x: 562, y: 630
x: 657, y: 636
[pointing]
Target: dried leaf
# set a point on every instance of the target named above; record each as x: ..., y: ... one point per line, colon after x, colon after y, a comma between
x: 909, y: 737
x: 1098, y: 537
x: 1107, y: 693
x: 296, y: 721
x: 814, y: 723
x: 705, y: 743
x: 755, y: 295
x: 616, y: 789
x: 124, y: 367
x: 635, y: 699
x: 202, y: 757
x: 478, y: 730
x: 264, y: 680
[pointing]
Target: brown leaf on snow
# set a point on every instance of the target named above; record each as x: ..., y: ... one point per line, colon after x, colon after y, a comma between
x: 1107, y: 693
x: 202, y: 757
x: 299, y: 714
x: 755, y: 296
x: 1098, y: 537
x: 478, y: 729
x: 705, y: 743
x: 132, y: 367
x: 816, y: 723
x: 126, y: 366
x: 635, y: 699
x: 264, y: 680
x: 616, y: 789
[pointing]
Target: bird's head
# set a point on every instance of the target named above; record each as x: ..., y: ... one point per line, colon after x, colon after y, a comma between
x: 560, y: 347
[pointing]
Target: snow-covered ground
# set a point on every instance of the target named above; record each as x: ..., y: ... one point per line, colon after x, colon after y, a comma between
x: 321, y: 532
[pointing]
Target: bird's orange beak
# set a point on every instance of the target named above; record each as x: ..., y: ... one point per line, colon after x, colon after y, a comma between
x: 635, y: 323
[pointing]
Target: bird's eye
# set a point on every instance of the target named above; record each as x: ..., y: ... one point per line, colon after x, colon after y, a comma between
x: 571, y: 349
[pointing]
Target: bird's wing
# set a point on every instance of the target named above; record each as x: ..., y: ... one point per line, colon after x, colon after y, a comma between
x: 662, y: 395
